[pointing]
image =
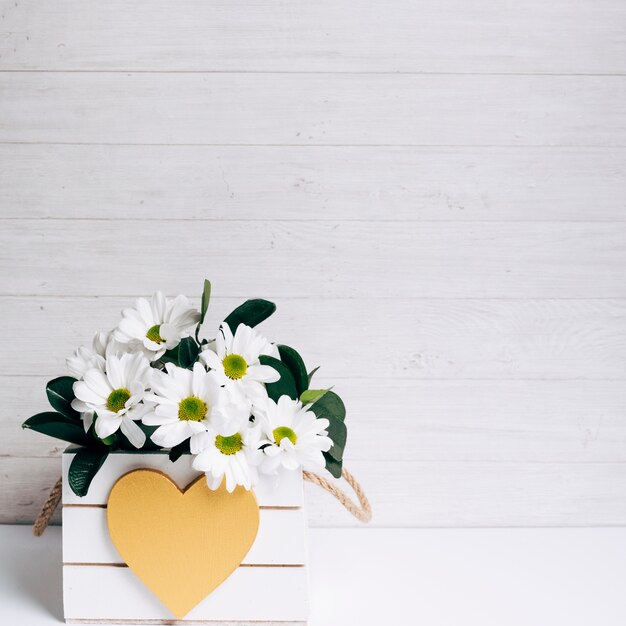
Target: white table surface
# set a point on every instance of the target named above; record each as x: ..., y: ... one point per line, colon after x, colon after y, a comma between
x: 430, y: 577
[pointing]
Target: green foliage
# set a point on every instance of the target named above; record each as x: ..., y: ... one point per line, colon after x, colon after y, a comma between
x: 250, y: 313
x: 185, y: 354
x: 296, y: 366
x: 312, y: 373
x: 338, y: 433
x: 206, y: 297
x: 204, y: 307
x: 59, y: 426
x: 177, y: 451
x: 285, y: 385
x: 312, y: 395
x: 332, y: 465
x: 84, y: 467
x: 330, y: 404
x: 188, y: 351
x: 60, y: 394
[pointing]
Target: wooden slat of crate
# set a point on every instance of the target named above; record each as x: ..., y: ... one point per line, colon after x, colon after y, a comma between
x: 251, y: 593
x: 269, y: 586
x: 280, y: 539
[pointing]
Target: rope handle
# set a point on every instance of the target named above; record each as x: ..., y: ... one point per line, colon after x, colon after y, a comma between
x: 362, y: 511
x: 48, y: 509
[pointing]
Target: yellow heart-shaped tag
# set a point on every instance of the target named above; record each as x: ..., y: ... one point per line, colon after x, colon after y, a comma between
x: 181, y: 544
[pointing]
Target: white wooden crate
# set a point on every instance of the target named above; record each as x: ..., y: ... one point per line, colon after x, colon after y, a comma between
x: 269, y: 586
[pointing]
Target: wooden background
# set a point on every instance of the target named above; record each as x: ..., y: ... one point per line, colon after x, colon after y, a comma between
x: 432, y: 191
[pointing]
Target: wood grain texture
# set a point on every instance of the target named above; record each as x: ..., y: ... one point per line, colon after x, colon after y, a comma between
x: 449, y: 36
x: 415, y: 493
x: 312, y: 183
x: 312, y: 109
x: 82, y: 600
x: 280, y: 539
x: 325, y: 259
x: 432, y: 192
x: 428, y: 339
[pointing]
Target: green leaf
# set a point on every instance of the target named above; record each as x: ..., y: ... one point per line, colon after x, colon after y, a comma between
x: 312, y: 372
x: 170, y: 356
x: 206, y: 297
x: 338, y: 433
x: 312, y: 395
x: 285, y: 385
x: 188, y: 351
x: 330, y: 404
x: 333, y: 466
x: 59, y: 426
x: 84, y: 467
x: 250, y: 313
x: 60, y: 394
x: 296, y: 366
x: 177, y: 451
x: 185, y: 354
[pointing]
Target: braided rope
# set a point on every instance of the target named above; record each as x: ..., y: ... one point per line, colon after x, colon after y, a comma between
x: 363, y: 512
x: 48, y: 509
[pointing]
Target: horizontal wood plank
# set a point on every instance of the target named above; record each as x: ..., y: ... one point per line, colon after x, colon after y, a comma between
x: 280, y: 540
x: 83, y: 597
x: 435, y: 420
x: 319, y: 259
x: 413, y: 493
x: 283, y: 490
x: 312, y: 183
x: 450, y: 36
x: 313, y: 109
x: 429, y: 338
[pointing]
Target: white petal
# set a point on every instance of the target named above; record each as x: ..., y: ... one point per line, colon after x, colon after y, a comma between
x: 212, y: 359
x: 106, y: 426
x: 263, y: 373
x: 115, y: 373
x: 158, y: 304
x: 87, y: 420
x: 201, y: 441
x: 145, y: 313
x: 98, y: 382
x: 133, y: 433
x: 172, y: 434
x: 224, y: 340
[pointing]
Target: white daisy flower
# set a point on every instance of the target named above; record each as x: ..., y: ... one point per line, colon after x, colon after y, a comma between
x: 236, y: 361
x: 115, y: 395
x: 88, y: 358
x: 186, y: 402
x: 157, y: 325
x: 230, y: 455
x: 295, y: 436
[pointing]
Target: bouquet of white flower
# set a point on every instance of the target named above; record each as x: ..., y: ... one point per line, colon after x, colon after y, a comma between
x: 238, y: 403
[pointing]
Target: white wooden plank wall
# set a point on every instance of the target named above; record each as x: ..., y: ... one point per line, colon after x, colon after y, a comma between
x: 432, y: 191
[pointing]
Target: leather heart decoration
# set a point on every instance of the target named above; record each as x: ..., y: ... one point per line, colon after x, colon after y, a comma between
x: 181, y: 544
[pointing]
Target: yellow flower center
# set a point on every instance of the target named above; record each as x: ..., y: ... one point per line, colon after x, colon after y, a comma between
x: 153, y: 334
x: 229, y: 445
x: 192, y: 409
x: 235, y: 366
x: 284, y: 431
x: 117, y: 399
